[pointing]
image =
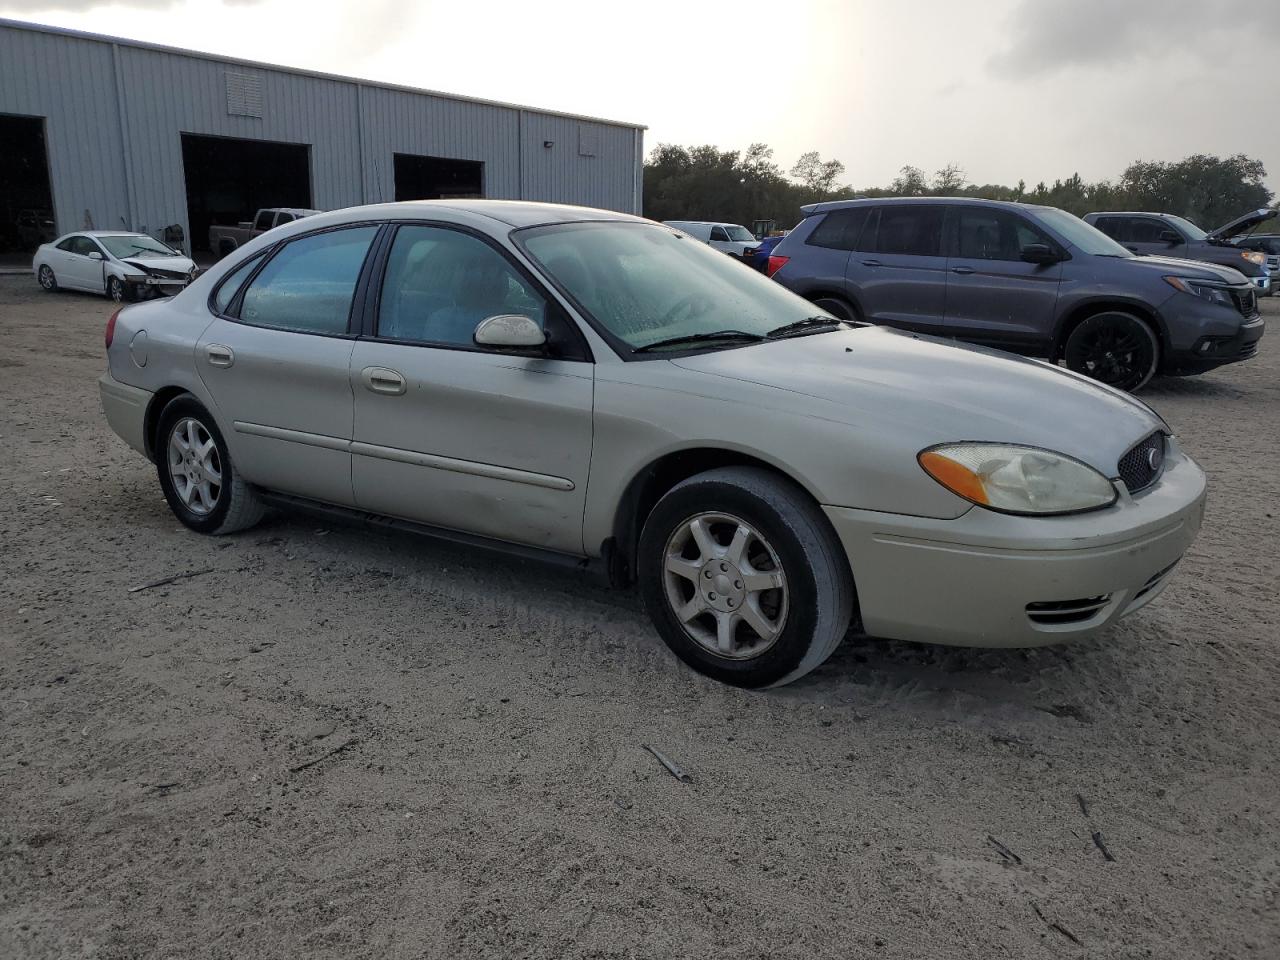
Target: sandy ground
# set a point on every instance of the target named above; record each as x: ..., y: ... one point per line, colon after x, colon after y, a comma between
x: 481, y: 789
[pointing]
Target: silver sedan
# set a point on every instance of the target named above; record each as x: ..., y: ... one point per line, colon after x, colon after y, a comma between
x: 591, y: 386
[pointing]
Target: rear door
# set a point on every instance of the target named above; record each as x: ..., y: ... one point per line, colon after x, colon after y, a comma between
x: 277, y: 364
x: 451, y: 434
x: 993, y: 295
x: 900, y: 270
x: 824, y: 259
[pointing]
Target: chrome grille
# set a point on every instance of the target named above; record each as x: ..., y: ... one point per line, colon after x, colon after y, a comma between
x: 1140, y: 467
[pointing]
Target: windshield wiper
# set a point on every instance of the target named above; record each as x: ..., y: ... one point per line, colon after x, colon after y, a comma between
x: 806, y: 326
x: 740, y: 336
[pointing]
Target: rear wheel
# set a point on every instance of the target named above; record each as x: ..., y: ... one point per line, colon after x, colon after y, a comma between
x: 744, y: 578
x: 201, y: 484
x: 47, y: 279
x: 839, y: 308
x: 1115, y: 348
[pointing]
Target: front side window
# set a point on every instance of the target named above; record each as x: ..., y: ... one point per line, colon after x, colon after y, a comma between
x: 643, y: 283
x: 233, y: 282
x: 308, y: 285
x: 911, y: 230
x: 1146, y: 230
x: 840, y: 229
x: 441, y: 283
x: 719, y: 234
x: 988, y: 234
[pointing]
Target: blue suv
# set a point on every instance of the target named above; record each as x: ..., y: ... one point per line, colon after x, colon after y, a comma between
x: 1034, y: 280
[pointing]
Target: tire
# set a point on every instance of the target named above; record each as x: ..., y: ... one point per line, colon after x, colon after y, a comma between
x: 224, y: 506
x: 47, y: 280
x: 804, y: 598
x: 119, y: 291
x: 840, y: 308
x: 1115, y: 348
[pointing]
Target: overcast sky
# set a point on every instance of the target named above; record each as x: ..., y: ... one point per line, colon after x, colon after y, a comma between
x: 1008, y: 89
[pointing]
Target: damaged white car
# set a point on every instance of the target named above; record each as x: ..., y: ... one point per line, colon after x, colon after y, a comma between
x: 122, y: 266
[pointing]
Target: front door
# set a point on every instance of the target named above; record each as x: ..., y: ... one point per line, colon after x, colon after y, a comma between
x: 450, y: 434
x: 993, y: 295
x: 78, y: 270
x: 900, y: 273
x: 278, y: 365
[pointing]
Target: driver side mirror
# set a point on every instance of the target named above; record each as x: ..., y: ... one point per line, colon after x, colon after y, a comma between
x: 511, y: 333
x: 1040, y: 253
x: 1169, y: 237
x: 95, y: 255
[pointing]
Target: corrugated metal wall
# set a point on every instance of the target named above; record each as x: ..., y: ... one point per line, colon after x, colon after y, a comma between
x: 115, y: 112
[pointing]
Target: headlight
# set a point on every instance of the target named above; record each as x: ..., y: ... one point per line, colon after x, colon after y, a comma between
x: 1204, y: 289
x: 1015, y: 479
x: 1253, y: 256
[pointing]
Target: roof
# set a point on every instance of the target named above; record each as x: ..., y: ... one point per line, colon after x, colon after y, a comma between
x: 514, y: 213
x: 296, y: 71
x: 812, y: 208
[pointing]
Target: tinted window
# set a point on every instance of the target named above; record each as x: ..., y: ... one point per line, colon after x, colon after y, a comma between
x: 839, y: 229
x: 1109, y: 225
x: 84, y: 246
x: 264, y: 220
x: 1144, y: 230
x: 227, y: 291
x: 718, y: 233
x: 910, y: 230
x: 441, y: 283
x: 989, y: 234
x: 284, y: 218
x: 67, y: 244
x: 308, y: 285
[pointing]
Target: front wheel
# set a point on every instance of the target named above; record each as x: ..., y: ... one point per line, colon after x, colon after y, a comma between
x: 118, y: 290
x: 743, y: 577
x: 1115, y: 348
x: 201, y: 484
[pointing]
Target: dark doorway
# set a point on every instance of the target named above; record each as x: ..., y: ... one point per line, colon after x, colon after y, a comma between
x: 26, y: 199
x: 435, y: 178
x: 229, y: 180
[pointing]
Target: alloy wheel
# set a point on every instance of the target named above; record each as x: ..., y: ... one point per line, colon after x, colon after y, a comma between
x: 194, y: 466
x: 115, y: 289
x: 725, y: 585
x: 46, y: 278
x: 1114, y: 353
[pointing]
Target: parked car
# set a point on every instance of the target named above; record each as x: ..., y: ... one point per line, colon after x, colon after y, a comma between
x: 759, y: 257
x: 1267, y: 244
x: 1164, y: 235
x: 35, y: 227
x: 1030, y: 279
x: 594, y: 387
x: 731, y: 238
x: 122, y: 266
x: 225, y: 239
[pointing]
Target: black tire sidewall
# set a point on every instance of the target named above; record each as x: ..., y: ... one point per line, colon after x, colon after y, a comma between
x: 711, y: 495
x: 124, y: 290
x: 842, y: 308
x: 177, y: 409
x: 1113, y: 316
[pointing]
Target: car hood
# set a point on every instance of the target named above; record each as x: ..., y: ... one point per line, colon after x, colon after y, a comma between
x: 1242, y: 224
x: 170, y: 264
x: 1192, y: 269
x: 943, y: 391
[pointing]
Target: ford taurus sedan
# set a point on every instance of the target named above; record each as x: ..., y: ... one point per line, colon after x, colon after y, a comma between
x: 592, y: 386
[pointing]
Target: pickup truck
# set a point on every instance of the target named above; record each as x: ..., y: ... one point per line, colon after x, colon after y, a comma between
x: 224, y: 239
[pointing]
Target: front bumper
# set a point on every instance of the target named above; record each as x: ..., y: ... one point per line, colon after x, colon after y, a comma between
x: 126, y: 410
x: 990, y: 580
x: 1210, y: 352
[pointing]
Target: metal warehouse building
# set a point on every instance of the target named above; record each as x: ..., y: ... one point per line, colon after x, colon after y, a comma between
x: 113, y: 134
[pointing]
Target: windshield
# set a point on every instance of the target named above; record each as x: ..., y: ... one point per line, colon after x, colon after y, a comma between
x: 136, y: 246
x: 1082, y: 236
x: 1186, y: 226
x: 644, y: 283
x: 740, y: 234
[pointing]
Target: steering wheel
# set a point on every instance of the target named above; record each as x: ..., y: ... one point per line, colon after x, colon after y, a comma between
x: 693, y: 305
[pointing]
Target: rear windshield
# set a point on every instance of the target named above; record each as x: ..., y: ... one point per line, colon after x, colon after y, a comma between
x: 1077, y: 233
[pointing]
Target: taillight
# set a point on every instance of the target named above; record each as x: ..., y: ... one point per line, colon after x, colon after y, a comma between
x: 111, y: 328
x: 776, y: 263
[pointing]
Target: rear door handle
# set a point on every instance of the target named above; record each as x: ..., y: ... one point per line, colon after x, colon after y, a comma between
x: 219, y: 356
x: 962, y: 269
x: 871, y: 263
x: 383, y: 380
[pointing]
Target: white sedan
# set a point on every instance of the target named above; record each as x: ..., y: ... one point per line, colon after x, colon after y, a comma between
x: 119, y: 265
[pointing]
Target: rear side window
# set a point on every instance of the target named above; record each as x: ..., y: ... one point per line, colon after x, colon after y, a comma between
x: 1110, y: 226
x: 308, y: 285
x: 1146, y: 230
x: 840, y: 229
x: 232, y: 283
x: 910, y: 230
x: 993, y: 234
x: 264, y: 221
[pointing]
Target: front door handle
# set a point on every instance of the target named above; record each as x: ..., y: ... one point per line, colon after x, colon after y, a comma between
x: 962, y: 269
x: 383, y: 380
x: 219, y: 356
x: 871, y: 263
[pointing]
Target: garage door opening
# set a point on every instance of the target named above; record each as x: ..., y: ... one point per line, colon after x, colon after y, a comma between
x: 26, y: 199
x: 437, y: 178
x: 229, y: 180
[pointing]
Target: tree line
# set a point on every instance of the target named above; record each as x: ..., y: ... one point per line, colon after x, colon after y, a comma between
x: 706, y: 183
